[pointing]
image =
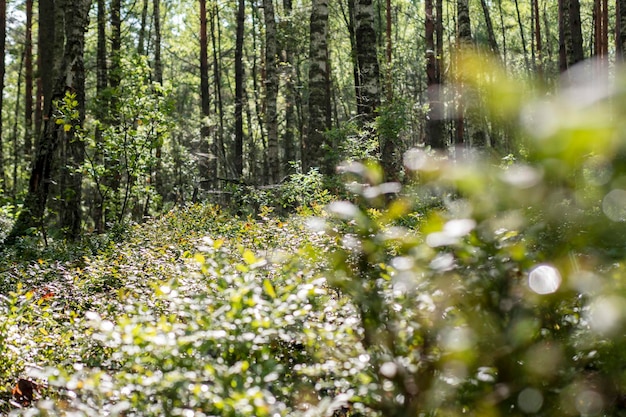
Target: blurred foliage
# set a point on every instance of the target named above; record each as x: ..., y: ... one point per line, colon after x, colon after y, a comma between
x: 482, y: 286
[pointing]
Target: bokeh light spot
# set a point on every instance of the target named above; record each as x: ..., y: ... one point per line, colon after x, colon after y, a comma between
x: 544, y: 279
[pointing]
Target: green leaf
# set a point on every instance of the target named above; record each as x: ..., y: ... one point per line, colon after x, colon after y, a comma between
x: 269, y: 288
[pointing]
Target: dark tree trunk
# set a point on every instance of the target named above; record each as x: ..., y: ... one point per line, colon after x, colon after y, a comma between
x: 28, y: 80
x: 3, y: 24
x: 141, y: 43
x: 217, y: 82
x: 71, y: 79
x: 522, y: 35
x: 289, y: 93
x: 101, y: 112
x: 316, y: 149
x: 239, y: 80
x: 271, y: 92
x: 537, y: 36
x: 491, y: 36
x: 207, y: 163
x: 434, y: 121
x: 575, y: 49
x: 369, y: 73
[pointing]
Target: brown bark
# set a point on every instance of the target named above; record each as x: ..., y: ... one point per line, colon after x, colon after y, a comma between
x: 3, y: 21
x: 71, y: 76
x: 207, y: 163
x: 239, y: 80
x: 28, y: 80
x: 434, y: 121
x: 491, y: 36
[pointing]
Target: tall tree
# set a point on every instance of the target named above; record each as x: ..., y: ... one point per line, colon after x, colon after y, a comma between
x: 367, y: 58
x: 491, y: 35
x: 76, y: 22
x: 287, y: 65
x: 28, y: 79
x: 464, y: 39
x: 207, y: 163
x: 620, y: 27
x: 220, y: 152
x: 537, y: 37
x: 434, y: 120
x: 101, y: 109
x: 3, y: 22
x: 239, y: 89
x: 141, y: 43
x: 522, y: 36
x: 316, y: 147
x: 70, y: 81
x: 271, y: 91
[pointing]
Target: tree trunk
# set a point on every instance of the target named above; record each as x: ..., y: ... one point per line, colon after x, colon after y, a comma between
x: 217, y: 87
x: 491, y: 36
x: 207, y: 163
x: 289, y: 90
x: 28, y: 80
x: 76, y: 22
x: 141, y: 43
x: 575, y: 45
x: 271, y: 92
x: 72, y: 78
x: 369, y: 73
x: 316, y: 149
x: 101, y: 112
x: 388, y: 54
x: 522, y: 36
x: 3, y: 24
x: 434, y: 118
x: 537, y: 36
x: 464, y: 37
x: 239, y: 80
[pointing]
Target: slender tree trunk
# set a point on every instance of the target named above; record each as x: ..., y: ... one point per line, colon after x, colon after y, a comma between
x: 491, y: 36
x: 289, y: 89
x: 156, y: 16
x: 537, y: 33
x: 141, y: 43
x: 434, y: 121
x: 271, y: 92
x: 369, y: 73
x: 239, y: 80
x: 101, y: 113
x: 464, y: 41
x: 522, y: 35
x: 207, y: 163
x: 388, y: 51
x: 620, y: 28
x: 316, y: 147
x: 217, y: 82
x: 28, y: 80
x: 349, y: 18
x: 3, y: 23
x: 503, y: 31
x: 564, y: 33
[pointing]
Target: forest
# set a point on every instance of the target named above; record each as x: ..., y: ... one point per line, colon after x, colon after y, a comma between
x: 309, y: 208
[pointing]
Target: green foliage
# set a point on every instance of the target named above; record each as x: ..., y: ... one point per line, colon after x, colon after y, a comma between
x: 483, y: 286
x: 122, y: 152
x: 304, y: 193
